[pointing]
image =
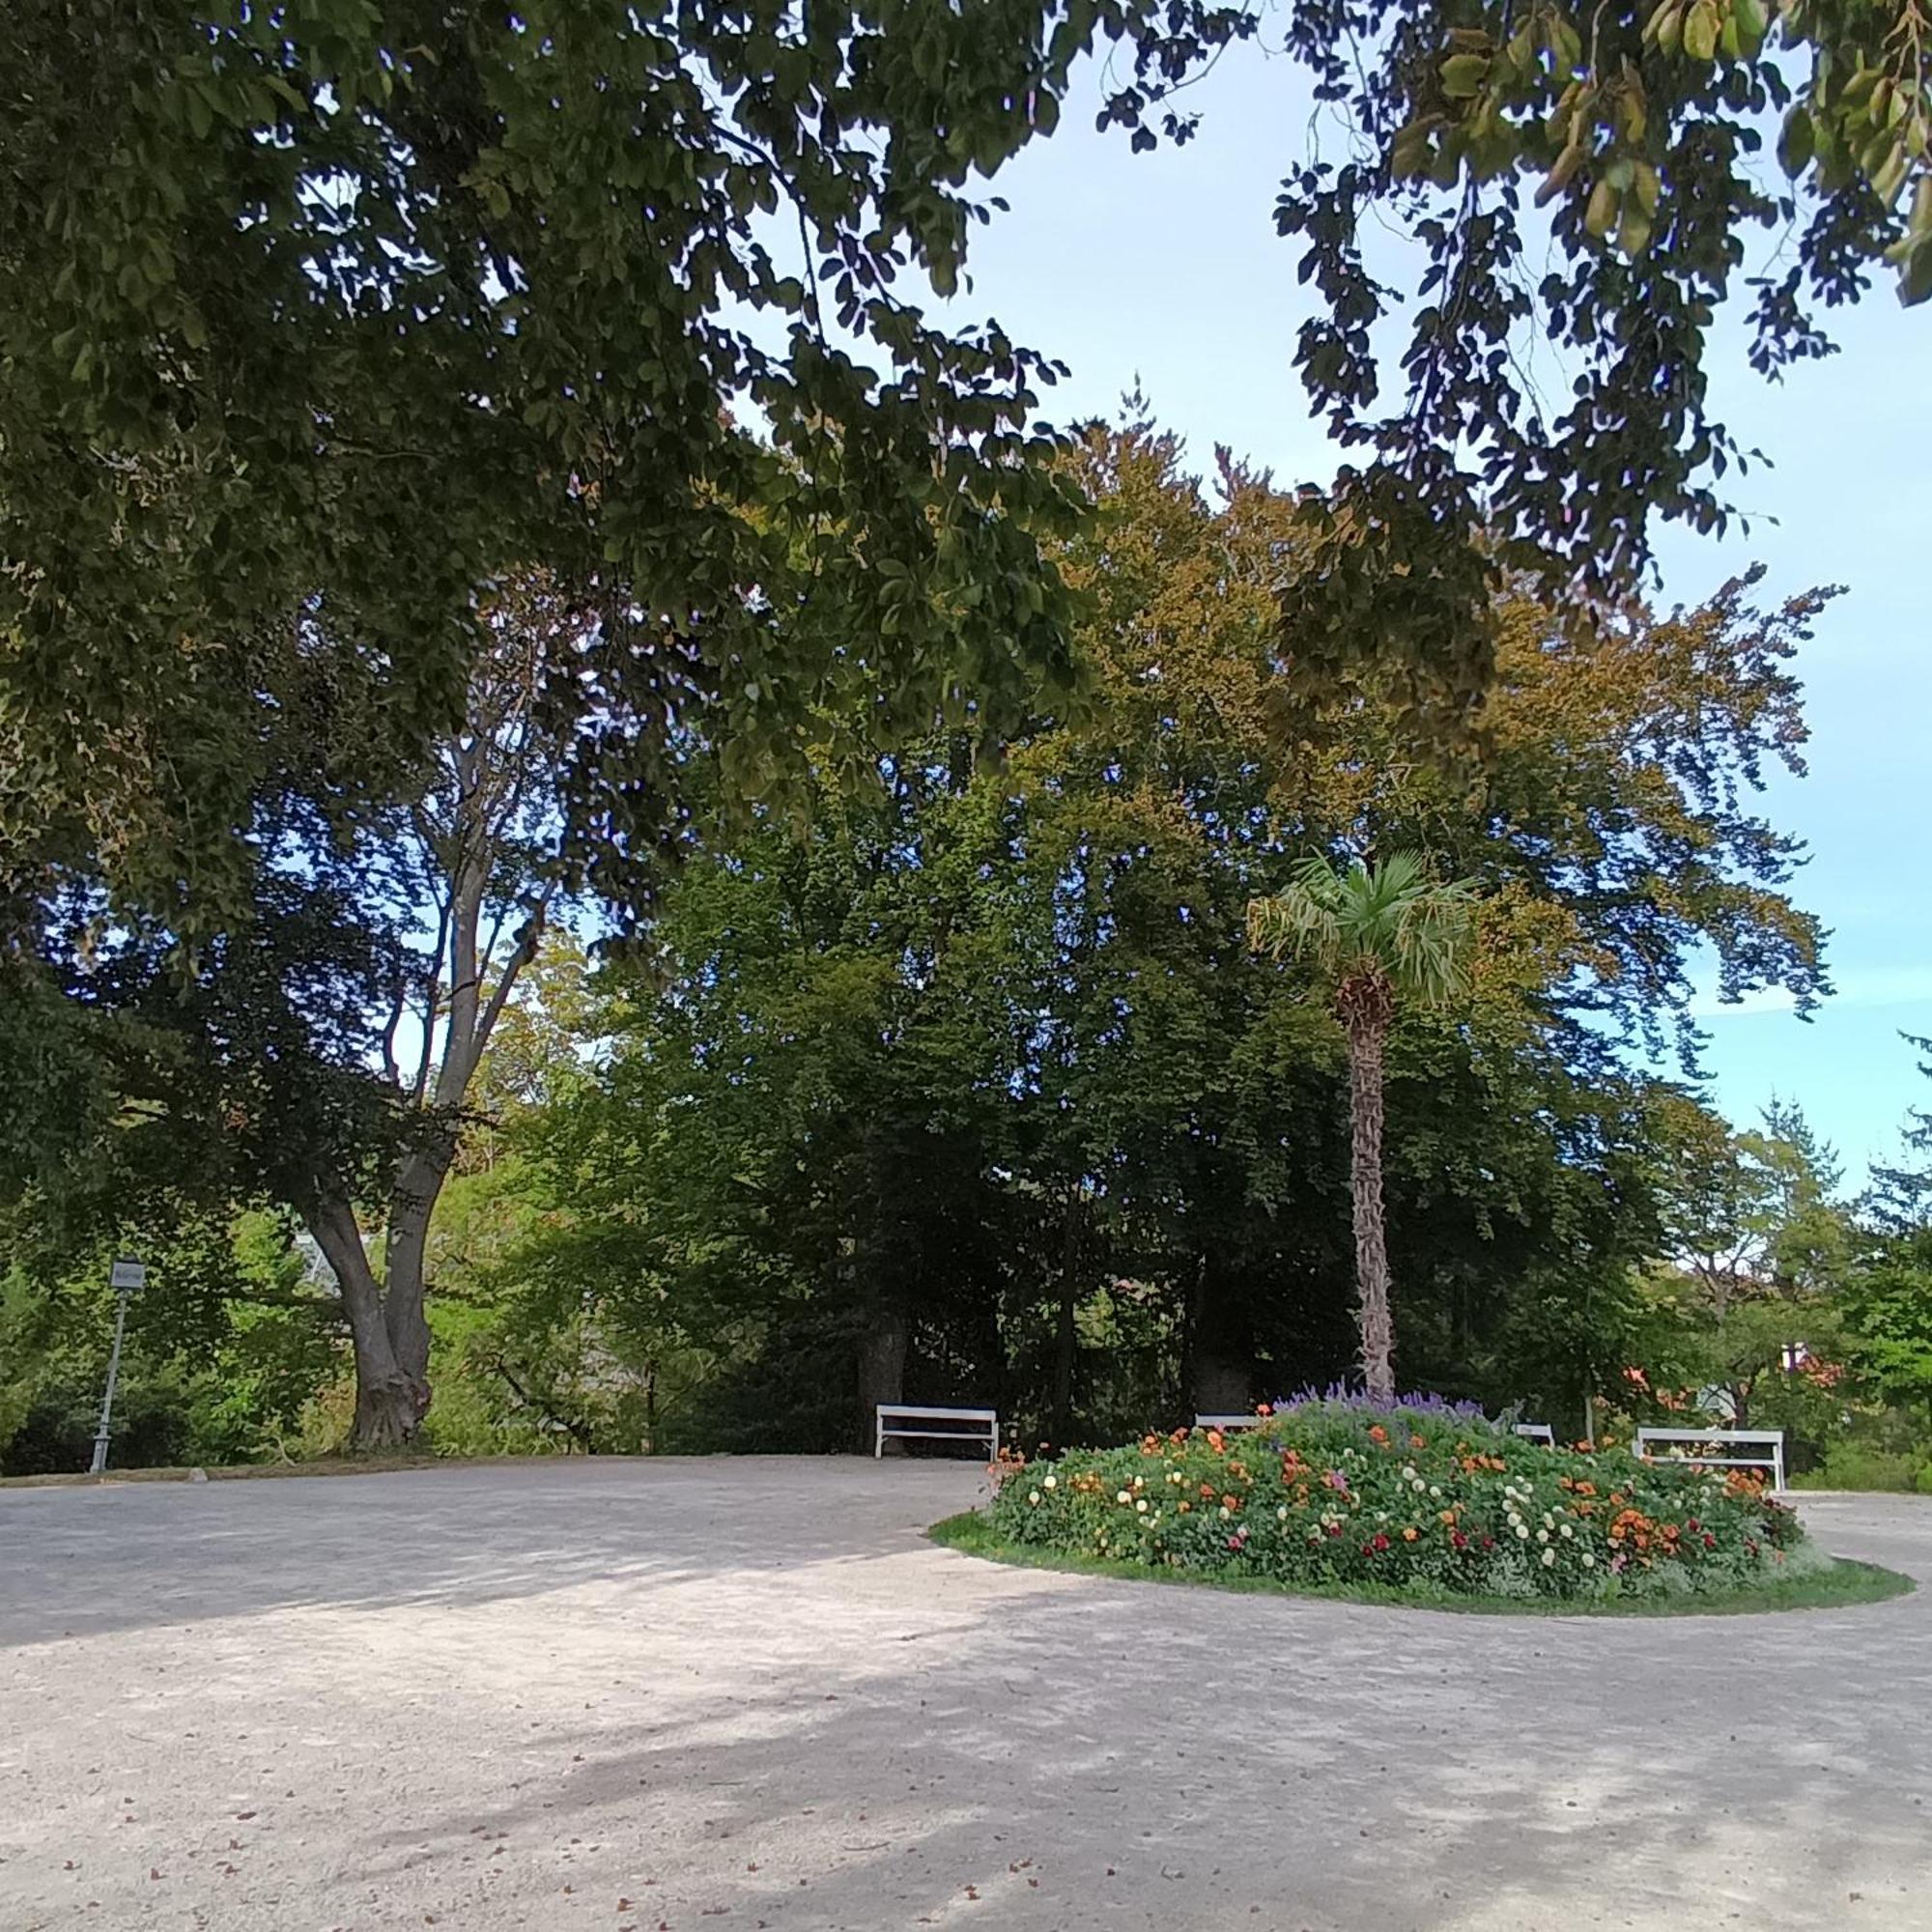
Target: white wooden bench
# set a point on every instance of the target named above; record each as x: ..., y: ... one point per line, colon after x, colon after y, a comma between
x: 1768, y: 1456
x: 1224, y: 1423
x: 1537, y: 1431
x: 984, y: 1422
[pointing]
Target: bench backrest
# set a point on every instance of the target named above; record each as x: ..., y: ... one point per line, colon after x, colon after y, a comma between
x: 1767, y: 1444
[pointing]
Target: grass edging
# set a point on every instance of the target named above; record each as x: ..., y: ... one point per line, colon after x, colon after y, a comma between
x: 1847, y: 1582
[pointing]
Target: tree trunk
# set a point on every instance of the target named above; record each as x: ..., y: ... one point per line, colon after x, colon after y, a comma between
x: 1365, y: 1184
x: 1065, y: 1335
x: 417, y: 1188
x: 882, y: 1360
x: 1220, y: 1345
x: 389, y: 1401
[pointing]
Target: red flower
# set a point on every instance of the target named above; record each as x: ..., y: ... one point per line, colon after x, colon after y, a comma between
x: 1459, y: 1541
x: 1379, y: 1543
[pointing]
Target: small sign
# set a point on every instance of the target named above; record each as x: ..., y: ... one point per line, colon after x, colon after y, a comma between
x: 129, y: 1276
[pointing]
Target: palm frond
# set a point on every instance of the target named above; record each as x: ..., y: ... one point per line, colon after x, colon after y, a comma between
x: 1393, y: 919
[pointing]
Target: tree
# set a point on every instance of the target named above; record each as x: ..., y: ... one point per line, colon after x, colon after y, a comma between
x: 319, y: 1056
x: 1887, y: 1306
x: 1379, y: 934
x: 1750, y: 1216
x: 341, y: 305
x: 1636, y: 127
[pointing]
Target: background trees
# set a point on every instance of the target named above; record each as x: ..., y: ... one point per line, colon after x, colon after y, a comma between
x: 978, y: 1090
x: 972, y: 1085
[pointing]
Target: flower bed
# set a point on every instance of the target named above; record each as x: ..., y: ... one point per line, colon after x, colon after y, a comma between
x: 1418, y: 1495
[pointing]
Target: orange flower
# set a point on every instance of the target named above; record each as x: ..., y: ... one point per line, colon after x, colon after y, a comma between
x: 1217, y: 1441
x: 1376, y: 1433
x: 1410, y: 1534
x: 1418, y: 1442
x: 1449, y: 1516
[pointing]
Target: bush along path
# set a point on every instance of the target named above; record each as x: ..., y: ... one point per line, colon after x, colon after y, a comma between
x: 1415, y: 1497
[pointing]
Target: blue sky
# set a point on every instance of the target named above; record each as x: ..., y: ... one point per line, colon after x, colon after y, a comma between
x: 1165, y: 269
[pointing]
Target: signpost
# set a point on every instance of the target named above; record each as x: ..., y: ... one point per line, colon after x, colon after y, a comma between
x: 126, y: 1278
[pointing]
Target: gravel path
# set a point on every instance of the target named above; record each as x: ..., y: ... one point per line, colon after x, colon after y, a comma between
x: 744, y: 1693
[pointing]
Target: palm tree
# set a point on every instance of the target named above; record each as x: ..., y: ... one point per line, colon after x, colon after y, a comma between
x: 1376, y: 934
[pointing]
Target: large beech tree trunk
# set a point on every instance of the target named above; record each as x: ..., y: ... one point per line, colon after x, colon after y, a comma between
x: 1220, y: 1352
x: 883, y: 1343
x: 391, y: 1393
x: 1366, y: 1035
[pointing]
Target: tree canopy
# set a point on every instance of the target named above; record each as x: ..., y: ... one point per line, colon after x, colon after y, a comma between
x: 316, y: 318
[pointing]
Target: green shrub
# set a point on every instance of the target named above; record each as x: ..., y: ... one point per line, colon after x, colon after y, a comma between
x: 1924, y: 1482
x: 1413, y: 1497
x: 1858, y: 1466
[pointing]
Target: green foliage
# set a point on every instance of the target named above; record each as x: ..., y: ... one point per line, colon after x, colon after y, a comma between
x: 339, y: 313
x: 978, y: 1074
x: 1859, y: 1467
x: 1344, y: 1492
x: 1637, y: 127
x: 227, y: 1348
x: 988, y: 1053
x: 1388, y: 922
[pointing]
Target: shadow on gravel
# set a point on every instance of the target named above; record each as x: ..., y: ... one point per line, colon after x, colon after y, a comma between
x: 1086, y: 1755
x: 80, y: 1561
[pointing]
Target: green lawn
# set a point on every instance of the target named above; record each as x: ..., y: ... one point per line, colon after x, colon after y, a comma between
x: 1845, y: 1582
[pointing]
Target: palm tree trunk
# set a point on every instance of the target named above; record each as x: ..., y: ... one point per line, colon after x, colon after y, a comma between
x: 1365, y: 1184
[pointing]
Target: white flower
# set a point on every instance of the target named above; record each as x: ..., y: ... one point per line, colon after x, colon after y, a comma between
x: 1549, y: 1520
x: 1140, y: 1507
x: 1522, y: 1530
x: 1549, y: 1558
x: 1436, y: 1491
x: 1589, y: 1561
x: 1140, y: 1482
x: 1409, y: 1473
x: 1281, y: 1515
x: 1224, y: 1512
x: 1124, y: 1496
x: 1051, y: 1483
x: 1566, y: 1532
x: 1382, y: 1516
x: 1034, y: 1497
x: 1543, y: 1536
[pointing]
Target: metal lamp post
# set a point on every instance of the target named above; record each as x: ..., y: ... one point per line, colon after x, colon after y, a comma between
x: 126, y: 1278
